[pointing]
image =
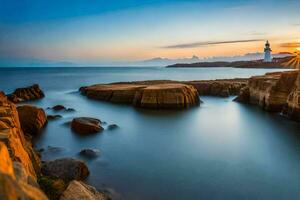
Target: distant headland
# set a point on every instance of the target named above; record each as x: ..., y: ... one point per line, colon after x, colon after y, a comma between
x: 275, y: 63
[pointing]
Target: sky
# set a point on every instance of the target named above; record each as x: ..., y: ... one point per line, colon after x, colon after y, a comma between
x: 91, y: 31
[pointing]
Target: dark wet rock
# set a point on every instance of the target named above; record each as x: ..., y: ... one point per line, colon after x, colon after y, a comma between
x: 53, y: 117
x: 59, y: 107
x: 52, y: 149
x: 90, y: 153
x: 112, y: 126
x: 67, y: 169
x: 70, y: 110
x: 32, y: 119
x: 53, y: 188
x: 86, y: 125
x: 26, y: 94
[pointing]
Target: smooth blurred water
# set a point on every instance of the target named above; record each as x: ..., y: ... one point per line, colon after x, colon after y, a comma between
x: 220, y: 150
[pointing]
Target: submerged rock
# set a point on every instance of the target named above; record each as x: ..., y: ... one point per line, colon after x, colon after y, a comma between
x: 26, y: 94
x: 80, y: 190
x: 67, y: 169
x: 112, y: 126
x: 32, y: 119
x: 90, y: 153
x: 53, y: 117
x: 59, y: 107
x: 86, y: 125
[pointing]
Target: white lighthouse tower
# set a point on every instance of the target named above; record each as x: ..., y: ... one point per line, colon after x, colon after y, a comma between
x: 268, y: 50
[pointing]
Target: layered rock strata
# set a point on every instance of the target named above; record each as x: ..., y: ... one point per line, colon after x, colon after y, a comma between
x: 274, y: 92
x: 160, y: 95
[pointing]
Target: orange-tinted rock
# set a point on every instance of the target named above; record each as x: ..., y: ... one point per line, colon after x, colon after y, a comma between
x: 12, y: 135
x: 32, y: 119
x: 271, y: 91
x: 86, y: 125
x: 26, y: 94
x: 80, y: 190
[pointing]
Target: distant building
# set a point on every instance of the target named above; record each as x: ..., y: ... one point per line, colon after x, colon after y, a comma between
x: 267, y: 50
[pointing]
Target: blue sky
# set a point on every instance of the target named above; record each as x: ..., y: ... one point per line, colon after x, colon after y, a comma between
x: 103, y: 30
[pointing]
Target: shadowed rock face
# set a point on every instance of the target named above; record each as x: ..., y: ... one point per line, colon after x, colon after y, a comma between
x: 26, y: 94
x: 32, y: 119
x: 67, y: 169
x: 146, y: 95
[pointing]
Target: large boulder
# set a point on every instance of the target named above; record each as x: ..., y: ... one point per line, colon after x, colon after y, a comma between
x: 32, y: 119
x: 151, y: 94
x: 86, y: 125
x: 80, y: 190
x: 26, y: 94
x: 67, y: 169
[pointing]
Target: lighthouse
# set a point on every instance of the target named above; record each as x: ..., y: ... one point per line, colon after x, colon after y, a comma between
x: 268, y: 50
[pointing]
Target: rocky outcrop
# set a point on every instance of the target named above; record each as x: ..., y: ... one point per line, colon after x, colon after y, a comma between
x: 15, y: 183
x: 274, y: 92
x: 26, y: 94
x: 32, y: 119
x: 270, y: 91
x: 155, y: 95
x: 86, y: 125
x: 12, y: 135
x: 79, y: 190
x: 222, y: 88
x: 67, y: 169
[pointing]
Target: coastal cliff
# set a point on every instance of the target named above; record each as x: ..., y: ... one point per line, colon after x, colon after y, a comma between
x: 274, y: 92
x: 276, y: 63
x: 20, y: 165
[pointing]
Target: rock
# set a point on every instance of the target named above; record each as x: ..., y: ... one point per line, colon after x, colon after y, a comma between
x: 80, y: 190
x: 32, y: 119
x: 14, y: 179
x: 155, y: 95
x: 67, y: 169
x: 90, y: 153
x: 86, y: 125
x: 53, y: 117
x: 270, y: 91
x: 52, y: 187
x: 13, y: 137
x: 70, y: 110
x: 59, y: 107
x: 112, y: 126
x: 11, y: 189
x: 26, y: 94
x: 221, y: 88
x: 244, y: 95
x: 292, y: 107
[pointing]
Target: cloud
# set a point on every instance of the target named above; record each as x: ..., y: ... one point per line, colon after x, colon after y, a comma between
x: 208, y: 43
x: 290, y: 45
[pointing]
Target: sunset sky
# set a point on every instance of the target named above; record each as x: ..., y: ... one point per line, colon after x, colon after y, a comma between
x: 119, y: 30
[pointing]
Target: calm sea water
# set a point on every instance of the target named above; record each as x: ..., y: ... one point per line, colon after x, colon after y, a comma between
x: 220, y: 150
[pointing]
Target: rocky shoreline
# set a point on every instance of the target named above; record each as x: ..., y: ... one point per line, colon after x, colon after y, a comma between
x: 22, y: 173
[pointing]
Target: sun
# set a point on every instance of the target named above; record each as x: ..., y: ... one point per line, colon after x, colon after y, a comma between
x: 298, y: 49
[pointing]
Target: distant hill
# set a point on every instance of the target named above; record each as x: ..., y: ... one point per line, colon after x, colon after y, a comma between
x: 276, y: 63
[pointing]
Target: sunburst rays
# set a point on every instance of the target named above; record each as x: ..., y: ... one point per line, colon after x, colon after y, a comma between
x: 294, y: 61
